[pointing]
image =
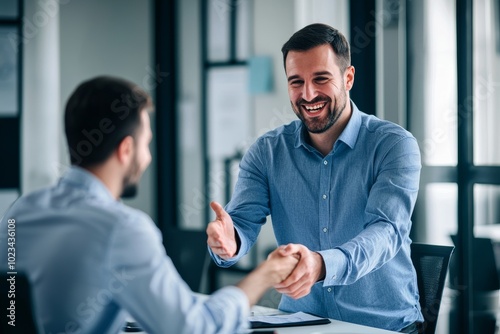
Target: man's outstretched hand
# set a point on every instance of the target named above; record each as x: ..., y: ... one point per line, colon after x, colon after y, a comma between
x: 221, y: 233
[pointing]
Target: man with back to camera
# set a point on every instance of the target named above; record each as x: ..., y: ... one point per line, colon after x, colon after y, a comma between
x: 89, y: 257
x: 340, y: 186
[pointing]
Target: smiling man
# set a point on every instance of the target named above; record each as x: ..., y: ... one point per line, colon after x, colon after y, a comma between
x: 340, y: 186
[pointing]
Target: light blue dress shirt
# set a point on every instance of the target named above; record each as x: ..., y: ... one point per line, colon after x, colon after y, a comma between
x: 90, y: 258
x: 353, y: 206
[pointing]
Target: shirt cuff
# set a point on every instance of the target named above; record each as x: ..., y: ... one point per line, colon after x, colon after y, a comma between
x: 335, y: 266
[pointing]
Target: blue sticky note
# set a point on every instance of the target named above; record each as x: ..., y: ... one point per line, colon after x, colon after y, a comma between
x: 261, y: 74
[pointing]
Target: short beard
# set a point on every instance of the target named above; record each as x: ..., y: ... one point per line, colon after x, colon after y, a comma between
x: 129, y: 191
x: 130, y: 187
x: 332, y: 117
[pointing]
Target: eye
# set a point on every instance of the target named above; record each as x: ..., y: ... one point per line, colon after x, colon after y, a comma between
x: 322, y: 80
x: 296, y: 83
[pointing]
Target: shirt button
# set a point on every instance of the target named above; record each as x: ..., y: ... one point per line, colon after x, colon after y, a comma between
x: 325, y: 162
x: 325, y: 229
x: 324, y: 196
x: 329, y: 289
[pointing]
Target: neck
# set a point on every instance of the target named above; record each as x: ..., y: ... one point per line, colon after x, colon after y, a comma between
x: 324, y: 142
x: 109, y: 179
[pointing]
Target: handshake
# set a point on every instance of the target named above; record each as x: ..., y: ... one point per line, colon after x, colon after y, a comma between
x: 290, y: 269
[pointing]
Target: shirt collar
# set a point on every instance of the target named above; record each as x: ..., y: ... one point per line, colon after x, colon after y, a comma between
x: 81, y: 178
x: 348, y: 136
x: 351, y: 131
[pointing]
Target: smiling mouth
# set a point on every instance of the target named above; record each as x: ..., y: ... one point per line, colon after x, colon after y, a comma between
x: 313, y: 108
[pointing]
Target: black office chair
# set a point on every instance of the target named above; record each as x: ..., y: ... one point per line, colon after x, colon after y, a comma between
x: 431, y: 264
x: 485, y: 285
x: 24, y: 316
x: 189, y: 253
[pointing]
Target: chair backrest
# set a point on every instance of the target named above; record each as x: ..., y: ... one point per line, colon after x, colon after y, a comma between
x: 189, y: 253
x: 485, y: 271
x: 16, y: 288
x: 431, y: 264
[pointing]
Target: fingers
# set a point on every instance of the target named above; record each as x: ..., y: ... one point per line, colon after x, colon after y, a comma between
x: 276, y: 253
x: 309, y: 268
x: 298, y: 284
x: 290, y: 249
x: 220, y: 213
x: 297, y: 290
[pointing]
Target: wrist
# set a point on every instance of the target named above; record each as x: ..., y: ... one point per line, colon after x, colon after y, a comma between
x: 321, y: 267
x: 266, y: 275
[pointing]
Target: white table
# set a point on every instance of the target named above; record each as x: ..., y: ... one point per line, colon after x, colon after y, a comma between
x: 335, y: 327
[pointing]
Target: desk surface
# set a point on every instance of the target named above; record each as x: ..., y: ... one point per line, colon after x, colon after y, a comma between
x: 335, y: 327
x: 339, y: 327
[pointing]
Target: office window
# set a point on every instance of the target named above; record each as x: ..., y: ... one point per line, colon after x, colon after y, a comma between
x: 486, y: 204
x: 433, y: 108
x: 486, y: 82
x: 441, y: 214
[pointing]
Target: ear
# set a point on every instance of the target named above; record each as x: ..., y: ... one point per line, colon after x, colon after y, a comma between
x: 349, y: 78
x: 125, y: 150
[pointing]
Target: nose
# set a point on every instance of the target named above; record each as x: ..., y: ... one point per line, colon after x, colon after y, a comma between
x: 308, y: 91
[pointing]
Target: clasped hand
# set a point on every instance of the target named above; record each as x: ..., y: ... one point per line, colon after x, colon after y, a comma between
x: 309, y: 269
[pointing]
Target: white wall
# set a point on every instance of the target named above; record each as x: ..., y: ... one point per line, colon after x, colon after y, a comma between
x: 112, y: 37
x: 40, y: 116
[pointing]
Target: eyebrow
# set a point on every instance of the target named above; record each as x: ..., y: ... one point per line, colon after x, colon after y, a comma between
x: 292, y: 77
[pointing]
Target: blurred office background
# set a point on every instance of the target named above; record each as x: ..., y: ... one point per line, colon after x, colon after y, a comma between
x: 215, y: 71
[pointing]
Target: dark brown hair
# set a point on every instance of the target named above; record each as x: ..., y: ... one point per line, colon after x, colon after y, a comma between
x: 99, y: 114
x: 317, y: 34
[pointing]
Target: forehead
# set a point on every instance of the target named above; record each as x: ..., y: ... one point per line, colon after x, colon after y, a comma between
x: 319, y: 58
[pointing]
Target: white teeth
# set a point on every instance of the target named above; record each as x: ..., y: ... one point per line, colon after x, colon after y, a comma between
x: 315, y: 107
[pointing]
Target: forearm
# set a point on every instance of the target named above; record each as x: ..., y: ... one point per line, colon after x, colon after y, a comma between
x: 256, y: 284
x: 368, y: 251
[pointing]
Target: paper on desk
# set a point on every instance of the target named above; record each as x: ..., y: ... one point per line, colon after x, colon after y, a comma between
x: 284, y: 318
